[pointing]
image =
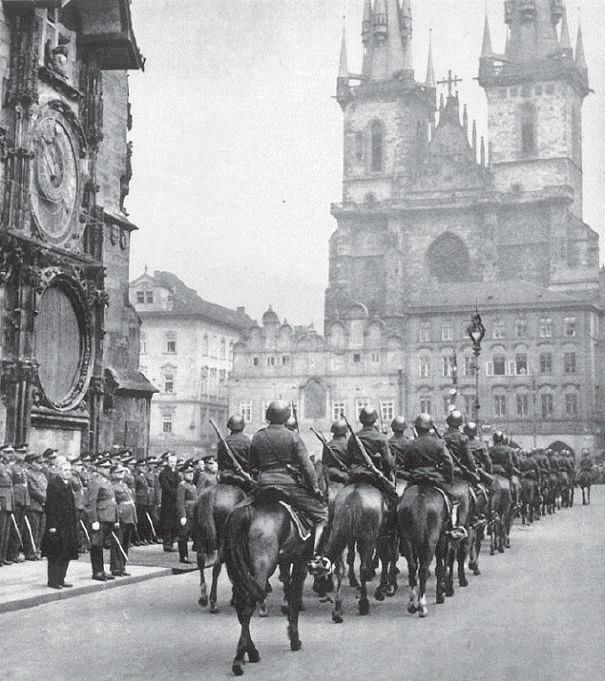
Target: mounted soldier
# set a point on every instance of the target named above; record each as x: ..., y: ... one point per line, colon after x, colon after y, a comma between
x: 399, y: 442
x: 239, y: 445
x: 428, y: 461
x: 478, y: 450
x: 279, y: 460
x: 335, y: 456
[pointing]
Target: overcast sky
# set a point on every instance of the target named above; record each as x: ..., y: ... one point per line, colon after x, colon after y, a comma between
x: 238, y: 140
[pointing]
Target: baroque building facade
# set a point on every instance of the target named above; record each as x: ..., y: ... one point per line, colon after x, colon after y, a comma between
x: 435, y: 223
x: 68, y: 335
x: 186, y: 349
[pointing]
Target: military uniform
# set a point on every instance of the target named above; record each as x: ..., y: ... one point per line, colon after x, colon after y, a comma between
x: 101, y: 508
x: 239, y: 444
x: 427, y: 456
x: 586, y: 463
x: 127, y: 517
x: 186, y: 496
x: 336, y: 450
x: 143, y: 496
x: 398, y: 445
x: 21, y: 504
x: 376, y: 445
x: 529, y: 467
x: 502, y: 460
x: 37, y: 483
x: 480, y: 455
x: 279, y: 459
x: 79, y: 488
x: 458, y: 444
x: 6, y: 508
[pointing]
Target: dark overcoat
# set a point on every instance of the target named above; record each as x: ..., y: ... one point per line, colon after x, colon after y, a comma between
x: 60, y: 514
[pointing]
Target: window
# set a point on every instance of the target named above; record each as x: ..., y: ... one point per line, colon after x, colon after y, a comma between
x: 359, y: 146
x: 547, y: 406
x: 569, y: 362
x: 149, y: 297
x: 204, y: 381
x: 448, y: 366
x: 499, y: 365
x: 254, y: 361
x: 447, y: 331
x: 285, y: 360
x: 205, y: 345
x: 271, y: 361
x: 546, y: 363
x: 424, y: 366
x: 170, y: 344
x: 338, y: 409
x: 499, y: 406
x: 425, y: 405
x: 223, y: 351
x: 469, y: 365
x: 143, y: 345
x: 222, y: 380
x: 569, y: 326
x: 356, y: 358
x: 375, y: 357
x: 521, y: 328
x: 523, y: 405
x: 167, y: 424
x: 387, y: 410
x: 168, y: 383
x: 245, y: 410
x: 231, y: 351
x: 498, y: 329
x: 424, y: 332
x: 140, y: 296
x: 545, y: 327
x: 377, y: 137
x: 528, y: 131
x: 571, y: 404
x: 521, y: 366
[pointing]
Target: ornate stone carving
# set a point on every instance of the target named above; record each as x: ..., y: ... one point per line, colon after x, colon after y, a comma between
x: 125, y: 179
x: 23, y: 79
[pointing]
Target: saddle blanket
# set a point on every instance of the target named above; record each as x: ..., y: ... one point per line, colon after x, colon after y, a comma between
x: 301, y: 522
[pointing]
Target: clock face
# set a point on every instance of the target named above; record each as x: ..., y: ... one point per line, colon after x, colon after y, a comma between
x: 55, y: 181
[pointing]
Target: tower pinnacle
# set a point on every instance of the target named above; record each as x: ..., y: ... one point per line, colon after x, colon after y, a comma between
x: 565, y: 41
x: 430, y: 70
x: 580, y: 55
x: 343, y: 68
x: 486, y: 48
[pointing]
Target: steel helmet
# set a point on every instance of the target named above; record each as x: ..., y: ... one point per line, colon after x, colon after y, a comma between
x: 338, y: 427
x: 368, y: 416
x: 498, y: 437
x: 236, y: 423
x: 398, y: 424
x: 424, y: 423
x: 278, y: 412
x: 470, y: 429
x: 454, y: 419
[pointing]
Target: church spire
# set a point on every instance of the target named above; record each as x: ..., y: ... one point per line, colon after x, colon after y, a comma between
x: 367, y: 39
x: 398, y: 61
x: 486, y: 48
x: 405, y: 29
x: 430, y: 70
x: 565, y: 41
x: 343, y: 68
x: 580, y: 55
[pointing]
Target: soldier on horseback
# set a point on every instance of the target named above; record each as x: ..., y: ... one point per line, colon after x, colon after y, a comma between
x: 503, y: 463
x: 335, y: 456
x: 479, y: 451
x: 428, y: 460
x: 279, y: 460
x: 399, y: 442
x: 239, y: 444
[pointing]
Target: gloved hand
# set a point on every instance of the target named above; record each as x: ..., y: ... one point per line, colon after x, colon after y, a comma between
x: 96, y: 526
x: 116, y: 526
x: 52, y: 530
x: 183, y: 521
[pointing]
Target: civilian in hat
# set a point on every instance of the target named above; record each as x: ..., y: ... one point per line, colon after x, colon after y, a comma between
x: 127, y: 517
x: 60, y: 541
x: 6, y: 501
x: 102, y: 513
x: 186, y: 496
x: 169, y: 480
x: 21, y: 504
x: 37, y: 484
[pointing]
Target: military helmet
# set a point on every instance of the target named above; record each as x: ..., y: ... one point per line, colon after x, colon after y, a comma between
x: 236, y: 423
x: 454, y: 419
x: 505, y: 439
x: 338, y: 427
x: 498, y: 437
x: 291, y: 423
x: 423, y: 422
x: 278, y: 412
x: 368, y: 416
x: 470, y: 429
x: 398, y: 424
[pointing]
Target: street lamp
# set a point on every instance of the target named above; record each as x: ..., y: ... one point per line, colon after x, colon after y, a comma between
x: 476, y: 332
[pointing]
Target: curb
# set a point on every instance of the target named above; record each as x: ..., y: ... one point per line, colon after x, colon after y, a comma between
x: 41, y: 599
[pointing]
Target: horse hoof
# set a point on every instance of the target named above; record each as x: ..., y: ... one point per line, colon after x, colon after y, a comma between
x: 337, y: 618
x: 440, y: 600
x: 284, y: 609
x: 501, y: 549
x: 391, y: 589
x: 422, y: 612
x: 203, y: 601
x: 295, y: 645
x: 262, y: 611
x: 463, y: 582
x: 364, y: 607
x: 237, y: 669
x: 412, y: 609
x: 354, y: 584
x: 492, y: 552
x: 214, y: 609
x: 507, y: 544
x: 476, y: 571
x: 379, y: 594
x: 253, y: 656
x: 449, y: 593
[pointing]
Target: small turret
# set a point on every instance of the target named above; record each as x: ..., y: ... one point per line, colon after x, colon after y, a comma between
x: 380, y: 21
x: 366, y: 38
x: 343, y: 91
x: 486, y: 47
x: 564, y: 41
x: 430, y: 69
x: 580, y: 55
x: 474, y: 139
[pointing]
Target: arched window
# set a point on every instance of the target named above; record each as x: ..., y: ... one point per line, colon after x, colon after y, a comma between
x: 528, y: 129
x: 448, y: 258
x: 205, y: 346
x: 377, y: 146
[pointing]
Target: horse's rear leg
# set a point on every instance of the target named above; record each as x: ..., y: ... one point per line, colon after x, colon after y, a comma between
x: 201, y: 563
x: 462, y: 554
x: 412, y: 583
x: 351, y: 563
x: 366, y: 570
x: 295, y: 590
x: 337, y: 617
x: 449, y: 569
x: 245, y: 643
x: 440, y: 550
x: 216, y: 571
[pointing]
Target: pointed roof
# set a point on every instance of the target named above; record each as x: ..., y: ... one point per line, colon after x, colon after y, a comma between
x: 580, y: 55
x: 486, y: 48
x: 430, y: 70
x: 404, y: 21
x: 397, y: 58
x: 565, y: 41
x: 343, y: 68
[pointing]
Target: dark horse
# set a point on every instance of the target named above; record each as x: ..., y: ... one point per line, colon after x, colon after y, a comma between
x: 477, y: 530
x: 422, y: 521
x: 530, y: 499
x: 210, y: 515
x: 260, y: 536
x: 458, y: 550
x: 585, y: 481
x: 501, y: 514
x: 358, y: 519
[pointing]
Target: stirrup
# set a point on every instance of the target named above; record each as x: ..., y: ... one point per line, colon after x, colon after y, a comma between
x: 319, y: 566
x: 458, y: 532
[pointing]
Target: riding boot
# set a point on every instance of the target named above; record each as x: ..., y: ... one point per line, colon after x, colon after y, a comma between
x: 183, y: 551
x: 96, y: 560
x: 456, y: 531
x: 319, y: 565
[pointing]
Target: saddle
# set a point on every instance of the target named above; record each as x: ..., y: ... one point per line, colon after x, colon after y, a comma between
x: 303, y: 525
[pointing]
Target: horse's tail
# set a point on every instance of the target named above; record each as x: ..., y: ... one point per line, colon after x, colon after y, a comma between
x: 346, y: 527
x: 204, y: 526
x: 237, y: 557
